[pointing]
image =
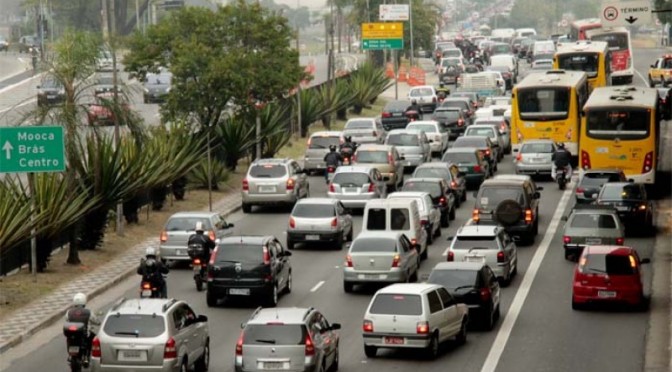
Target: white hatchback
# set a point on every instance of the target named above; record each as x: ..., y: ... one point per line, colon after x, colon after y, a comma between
x: 436, y: 133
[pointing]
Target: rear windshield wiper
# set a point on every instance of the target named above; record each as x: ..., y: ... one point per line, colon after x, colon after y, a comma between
x: 265, y: 341
x: 127, y: 333
x: 463, y: 287
x: 596, y: 270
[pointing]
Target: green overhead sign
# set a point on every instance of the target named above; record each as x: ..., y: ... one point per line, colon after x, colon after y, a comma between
x: 381, y: 44
x: 32, y: 149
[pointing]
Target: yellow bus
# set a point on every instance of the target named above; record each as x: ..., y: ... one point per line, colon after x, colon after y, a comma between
x: 591, y: 57
x: 547, y: 105
x: 621, y: 129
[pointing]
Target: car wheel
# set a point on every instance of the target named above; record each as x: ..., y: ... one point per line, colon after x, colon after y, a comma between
x: 461, y: 337
x: 338, y: 245
x: 497, y: 314
x: 247, y: 208
x: 288, y: 287
x: 211, y: 299
x: 464, y: 195
x: 349, y: 237
x: 458, y: 202
x: 568, y: 256
x: 488, y: 320
x: 334, y: 364
x: 348, y: 287
x: 272, y: 300
x: 203, y: 363
x: 452, y: 213
x: 577, y: 306
x: 184, y: 367
x: 444, y: 219
x: 438, y: 232
x: 370, y: 351
x: 290, y: 245
x: 432, y: 350
x: 651, y: 83
x: 430, y: 235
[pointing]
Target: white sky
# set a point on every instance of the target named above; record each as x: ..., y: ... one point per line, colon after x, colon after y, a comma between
x: 312, y: 4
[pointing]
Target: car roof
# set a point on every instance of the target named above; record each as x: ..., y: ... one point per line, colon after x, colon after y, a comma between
x: 608, y: 249
x: 603, y: 170
x: 374, y: 147
x: 503, y: 182
x: 318, y: 201
x: 287, y: 315
x: 422, y: 87
x: 327, y: 133
x: 279, y: 161
x: 434, y: 164
x: 398, y: 103
x: 378, y: 234
x: 462, y: 150
x: 421, y: 122
x: 353, y: 169
x: 478, y: 230
x: 457, y: 99
x: 193, y: 214
x: 537, y: 141
x: 150, y: 306
x: 513, y: 177
x: 246, y: 239
x: 410, y: 194
x: 470, y: 266
x: 403, y: 131
x: 620, y: 184
x: 488, y: 126
x: 424, y: 179
x: 408, y: 288
x: 594, y: 209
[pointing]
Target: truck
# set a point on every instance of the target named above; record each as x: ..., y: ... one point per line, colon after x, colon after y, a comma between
x: 483, y: 83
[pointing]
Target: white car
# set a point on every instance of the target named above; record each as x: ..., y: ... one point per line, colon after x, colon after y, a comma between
x: 419, y: 316
x: 501, y: 83
x: 430, y: 215
x: 425, y: 96
x: 436, y: 133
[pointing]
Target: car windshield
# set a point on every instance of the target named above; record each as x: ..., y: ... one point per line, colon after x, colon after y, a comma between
x: 306, y: 210
x: 421, y: 92
x: 457, y: 104
x: 432, y: 172
x: 134, y: 325
x: 490, y: 197
x: 378, y: 245
x: 616, y: 41
x: 447, y: 114
x: 621, y: 192
x: 427, y: 128
x: 452, y: 53
x: 617, y: 123
x: 238, y: 252
x: 593, y: 221
x: 499, y: 68
x: 447, y: 62
x: 274, y: 334
x: 396, y: 304
x: 403, y: 139
x: 500, y: 49
x: 488, y: 132
x: 351, y: 179
x: 470, y: 142
x: 475, y: 242
x: 452, y: 279
x: 358, y: 124
x: 460, y: 157
x: 537, y: 148
x: 159, y: 79
x: 323, y: 142
x: 372, y: 157
x: 50, y: 84
x: 268, y: 171
x: 433, y: 188
x: 543, y: 104
x: 610, y: 264
x: 187, y: 223
x: 587, y: 62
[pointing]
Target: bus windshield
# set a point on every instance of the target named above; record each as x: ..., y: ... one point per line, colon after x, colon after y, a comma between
x: 587, y: 62
x: 616, y: 41
x: 621, y: 124
x: 543, y: 104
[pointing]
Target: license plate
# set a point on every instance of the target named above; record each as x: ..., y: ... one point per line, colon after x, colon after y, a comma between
x: 239, y: 291
x: 266, y: 188
x: 312, y: 237
x: 135, y: 355
x: 593, y: 241
x: 179, y: 253
x: 273, y: 365
x: 463, y: 169
x: 606, y: 294
x: 351, y: 189
x: 146, y: 293
x: 73, y: 349
x: 397, y: 114
x: 51, y: 96
x: 474, y: 259
x: 537, y: 160
x: 197, y: 268
x: 371, y: 276
x: 622, y: 209
x: 393, y: 340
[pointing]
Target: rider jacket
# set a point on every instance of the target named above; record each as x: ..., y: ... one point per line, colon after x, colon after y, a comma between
x: 205, y: 242
x: 333, y: 159
x: 152, y: 269
x: 349, y: 146
x: 414, y: 107
x: 561, y: 158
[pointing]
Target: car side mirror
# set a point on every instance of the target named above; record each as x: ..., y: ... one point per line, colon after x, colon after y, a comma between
x: 460, y: 174
x: 202, y: 319
x: 631, y: 180
x: 593, y: 195
x: 563, y: 219
x: 39, y: 86
x: 540, y: 188
x: 516, y: 150
x: 335, y: 326
x: 243, y: 325
x: 402, y: 158
x: 286, y: 253
x: 230, y: 225
x: 537, y: 195
x: 644, y: 261
x: 431, y: 141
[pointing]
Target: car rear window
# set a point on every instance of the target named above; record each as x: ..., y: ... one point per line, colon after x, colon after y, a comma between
x: 427, y: 128
x: 359, y: 124
x: 475, y: 242
x: 537, y: 148
x: 447, y: 114
x: 460, y: 157
x: 432, y: 173
x: 306, y: 210
x: 351, y: 179
x: 134, y: 325
x: 610, y: 264
x: 399, y: 219
x: 420, y: 92
x: 187, y: 223
x: 458, y: 104
x: 599, y: 179
x: 243, y: 253
x: 621, y: 192
x: 593, y: 221
x: 320, y: 142
x: 376, y: 219
x: 453, y: 279
x: 490, y: 197
x: 274, y: 334
x: 397, y: 106
x: 268, y: 171
x: 374, y: 245
x: 488, y: 132
x: 433, y: 188
x: 403, y: 139
x: 372, y: 157
x: 470, y: 142
x: 396, y: 304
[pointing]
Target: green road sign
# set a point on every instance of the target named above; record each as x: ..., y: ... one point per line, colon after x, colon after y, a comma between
x: 380, y: 44
x: 32, y: 149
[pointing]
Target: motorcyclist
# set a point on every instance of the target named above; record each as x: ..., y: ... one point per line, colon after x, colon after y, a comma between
x: 332, y: 159
x: 561, y: 159
x: 442, y: 91
x: 199, y: 238
x: 152, y: 270
x: 78, y: 313
x: 348, y: 144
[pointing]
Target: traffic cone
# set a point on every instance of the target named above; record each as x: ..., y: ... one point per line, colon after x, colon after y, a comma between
x: 389, y: 71
x: 401, y: 75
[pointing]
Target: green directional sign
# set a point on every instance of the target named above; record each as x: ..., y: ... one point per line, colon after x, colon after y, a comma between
x: 32, y: 149
x: 380, y: 44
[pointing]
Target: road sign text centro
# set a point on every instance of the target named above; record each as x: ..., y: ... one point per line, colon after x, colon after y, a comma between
x: 32, y: 149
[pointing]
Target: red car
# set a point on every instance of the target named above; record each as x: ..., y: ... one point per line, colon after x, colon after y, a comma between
x: 98, y: 113
x: 608, y: 274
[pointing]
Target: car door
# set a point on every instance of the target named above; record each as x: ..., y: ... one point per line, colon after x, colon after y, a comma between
x: 491, y: 281
x: 444, y: 136
x: 509, y: 248
x: 451, y: 313
x: 432, y: 211
x: 324, y: 338
x: 426, y: 149
x: 278, y: 263
x: 182, y: 333
x: 399, y: 164
x: 381, y: 187
x: 344, y: 218
x: 196, y: 331
x: 409, y: 255
x: 437, y: 318
x: 300, y: 178
x: 380, y: 132
x: 447, y: 193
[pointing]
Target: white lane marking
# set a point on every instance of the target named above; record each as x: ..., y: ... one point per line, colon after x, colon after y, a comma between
x: 512, y: 315
x: 317, y: 286
x: 646, y: 82
x: 19, y: 83
x: 32, y: 100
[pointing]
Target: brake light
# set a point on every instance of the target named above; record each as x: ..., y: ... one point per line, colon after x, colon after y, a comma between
x: 390, y: 158
x: 566, y: 239
x: 372, y: 187
x: 386, y: 115
x: 477, y: 169
x: 348, y: 261
x: 460, y: 122
x: 580, y: 190
x: 396, y: 259
x: 334, y: 222
x: 501, y: 257
x: 619, y: 241
x: 310, y: 347
x: 212, y: 236
x: 648, y: 162
x: 487, y: 152
x: 213, y: 256
x: 585, y: 160
x: 146, y: 285
x: 246, y: 185
x: 451, y: 256
x: 519, y: 157
x: 290, y: 184
x: 424, y: 222
x: 332, y: 188
x: 292, y: 223
x: 267, y: 256
x: 164, y: 236
x: 485, y: 294
x: 239, y: 345
x: 453, y: 184
x: 95, y: 348
x: 528, y: 216
x: 197, y: 262
x: 475, y: 215
x: 434, y: 99
x: 442, y: 201
x: 367, y: 326
x: 642, y: 207
x: 422, y: 328
x: 170, y: 351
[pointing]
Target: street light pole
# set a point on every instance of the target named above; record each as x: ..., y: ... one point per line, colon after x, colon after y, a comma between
x: 298, y: 50
x: 410, y: 18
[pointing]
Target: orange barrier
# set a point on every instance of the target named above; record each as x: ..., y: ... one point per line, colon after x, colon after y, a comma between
x: 411, y: 76
x: 420, y: 76
x: 389, y: 71
x: 402, y: 74
x: 310, y: 70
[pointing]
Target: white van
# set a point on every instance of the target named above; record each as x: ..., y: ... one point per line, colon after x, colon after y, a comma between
x: 526, y: 32
x: 397, y: 215
x: 506, y: 33
x: 541, y: 48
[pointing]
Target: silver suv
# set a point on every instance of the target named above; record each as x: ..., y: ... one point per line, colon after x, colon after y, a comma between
x: 289, y: 339
x: 355, y: 185
x: 151, y: 335
x: 180, y: 226
x: 272, y: 182
x: 319, y: 220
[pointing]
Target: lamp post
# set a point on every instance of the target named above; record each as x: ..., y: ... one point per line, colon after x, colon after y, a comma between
x: 410, y: 19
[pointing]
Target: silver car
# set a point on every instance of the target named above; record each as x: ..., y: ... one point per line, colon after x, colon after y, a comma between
x: 180, y: 226
x: 354, y: 185
x: 502, y: 126
x: 591, y: 225
x: 318, y: 147
x: 435, y: 132
x: 380, y: 257
x: 319, y: 220
x: 430, y: 216
x: 163, y: 335
x: 425, y: 96
x: 491, y: 132
x: 365, y: 130
x: 412, y: 145
x: 534, y: 157
x: 272, y: 182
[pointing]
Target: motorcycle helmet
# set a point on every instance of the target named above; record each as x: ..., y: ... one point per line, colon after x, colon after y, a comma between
x: 199, y: 227
x: 348, y: 138
x: 150, y: 251
x: 561, y: 145
x: 332, y: 148
x: 414, y: 102
x: 79, y: 299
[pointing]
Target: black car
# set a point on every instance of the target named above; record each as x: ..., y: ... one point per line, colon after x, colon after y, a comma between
x: 463, y: 103
x: 484, y: 144
x: 474, y: 284
x: 157, y: 87
x: 441, y: 194
x: 453, y: 119
x: 394, y: 115
x: 450, y: 173
x: 630, y: 200
x: 591, y: 183
x: 50, y: 92
x: 249, y: 266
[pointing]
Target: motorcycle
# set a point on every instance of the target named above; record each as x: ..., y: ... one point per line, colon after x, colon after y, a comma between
x: 412, y: 115
x: 77, y: 342
x: 561, y: 177
x: 330, y: 172
x: 195, y: 252
x: 149, y: 290
x: 346, y: 155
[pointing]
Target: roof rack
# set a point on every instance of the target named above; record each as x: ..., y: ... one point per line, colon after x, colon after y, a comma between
x: 168, y: 304
x: 308, y: 311
x: 256, y: 312
x: 118, y: 303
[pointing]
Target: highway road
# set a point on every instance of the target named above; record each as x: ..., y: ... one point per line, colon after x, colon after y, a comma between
x: 538, y: 330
